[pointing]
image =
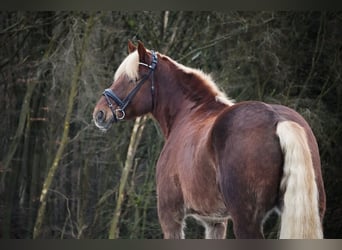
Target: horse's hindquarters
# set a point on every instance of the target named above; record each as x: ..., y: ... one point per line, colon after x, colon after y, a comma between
x: 249, y: 160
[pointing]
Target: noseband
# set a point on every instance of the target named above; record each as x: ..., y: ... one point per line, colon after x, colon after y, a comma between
x: 119, y: 113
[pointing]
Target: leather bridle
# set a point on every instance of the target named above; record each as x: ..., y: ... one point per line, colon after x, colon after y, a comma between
x: 119, y: 113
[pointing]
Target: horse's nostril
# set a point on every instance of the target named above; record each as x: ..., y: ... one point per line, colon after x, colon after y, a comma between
x: 100, y: 116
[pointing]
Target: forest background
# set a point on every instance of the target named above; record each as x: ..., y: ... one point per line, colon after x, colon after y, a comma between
x: 61, y: 177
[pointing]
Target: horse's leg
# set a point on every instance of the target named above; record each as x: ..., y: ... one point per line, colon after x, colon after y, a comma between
x: 171, y: 210
x: 245, y: 227
x: 215, y: 229
x: 172, y: 222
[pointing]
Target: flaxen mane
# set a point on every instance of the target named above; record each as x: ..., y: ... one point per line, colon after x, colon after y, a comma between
x: 130, y: 68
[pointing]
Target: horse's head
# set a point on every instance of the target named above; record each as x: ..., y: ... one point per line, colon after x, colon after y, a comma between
x: 131, y: 93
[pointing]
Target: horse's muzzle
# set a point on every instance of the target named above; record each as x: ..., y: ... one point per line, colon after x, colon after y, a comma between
x: 101, y: 120
x: 100, y: 116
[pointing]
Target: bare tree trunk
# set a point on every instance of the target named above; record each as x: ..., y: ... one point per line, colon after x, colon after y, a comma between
x: 24, y: 114
x: 138, y: 128
x: 20, y: 129
x: 64, y: 141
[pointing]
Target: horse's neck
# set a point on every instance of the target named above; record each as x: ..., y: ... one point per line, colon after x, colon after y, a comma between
x: 174, y: 108
x: 169, y: 113
x: 178, y: 100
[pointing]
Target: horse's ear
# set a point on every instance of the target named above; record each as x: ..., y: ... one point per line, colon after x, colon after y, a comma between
x: 143, y: 57
x: 131, y: 47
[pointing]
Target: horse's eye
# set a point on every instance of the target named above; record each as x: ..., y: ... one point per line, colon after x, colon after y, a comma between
x: 133, y: 80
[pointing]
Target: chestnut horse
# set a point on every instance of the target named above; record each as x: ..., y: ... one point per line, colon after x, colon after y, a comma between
x: 221, y: 160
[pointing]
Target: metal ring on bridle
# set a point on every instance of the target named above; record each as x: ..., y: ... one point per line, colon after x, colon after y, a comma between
x: 120, y: 114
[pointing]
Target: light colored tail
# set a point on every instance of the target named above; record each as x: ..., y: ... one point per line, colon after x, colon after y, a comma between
x: 300, y: 214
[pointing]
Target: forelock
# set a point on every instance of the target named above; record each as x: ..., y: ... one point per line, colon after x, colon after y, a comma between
x: 128, y: 67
